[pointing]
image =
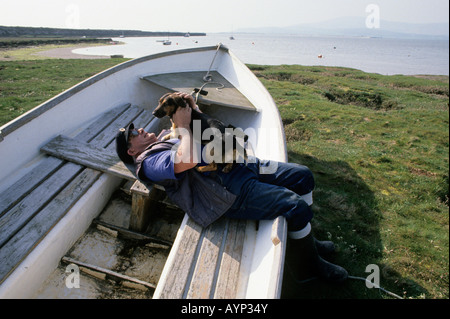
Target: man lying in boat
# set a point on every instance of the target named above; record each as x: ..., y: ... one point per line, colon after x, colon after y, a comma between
x: 242, y: 193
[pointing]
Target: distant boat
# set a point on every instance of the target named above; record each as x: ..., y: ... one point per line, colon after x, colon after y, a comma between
x: 187, y: 35
x: 231, y: 36
x: 167, y: 42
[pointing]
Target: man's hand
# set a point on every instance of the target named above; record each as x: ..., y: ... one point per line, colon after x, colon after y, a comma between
x: 189, y: 100
x: 182, y: 117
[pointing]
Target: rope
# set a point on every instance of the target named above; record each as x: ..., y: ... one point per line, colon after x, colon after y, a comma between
x: 300, y: 282
x: 376, y: 286
x: 221, y: 86
x: 208, y: 77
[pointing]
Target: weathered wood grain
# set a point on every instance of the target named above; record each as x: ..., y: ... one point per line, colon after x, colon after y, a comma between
x: 33, y: 205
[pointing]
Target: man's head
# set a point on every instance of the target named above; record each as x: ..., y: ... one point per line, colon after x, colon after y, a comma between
x: 131, y: 142
x: 168, y: 105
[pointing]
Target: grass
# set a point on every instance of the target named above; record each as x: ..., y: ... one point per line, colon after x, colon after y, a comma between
x: 379, y: 149
x: 26, y: 84
x: 378, y: 146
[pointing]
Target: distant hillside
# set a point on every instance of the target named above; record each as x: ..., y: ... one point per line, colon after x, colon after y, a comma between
x: 356, y: 26
x: 54, y: 32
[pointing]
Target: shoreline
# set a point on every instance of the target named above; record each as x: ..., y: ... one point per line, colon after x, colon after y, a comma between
x: 40, y: 52
x: 66, y: 53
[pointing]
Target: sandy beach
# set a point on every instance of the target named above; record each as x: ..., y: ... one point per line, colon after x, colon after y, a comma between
x: 66, y: 53
x: 63, y: 52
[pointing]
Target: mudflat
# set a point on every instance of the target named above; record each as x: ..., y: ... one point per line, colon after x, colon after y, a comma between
x: 66, y: 53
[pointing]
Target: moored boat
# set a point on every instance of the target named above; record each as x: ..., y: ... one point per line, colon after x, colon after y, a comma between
x: 40, y: 221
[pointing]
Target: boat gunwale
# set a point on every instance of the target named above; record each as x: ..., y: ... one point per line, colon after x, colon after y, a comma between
x: 30, y: 115
x: 55, y: 101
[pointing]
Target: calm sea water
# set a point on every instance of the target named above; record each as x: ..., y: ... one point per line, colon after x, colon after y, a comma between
x: 377, y: 55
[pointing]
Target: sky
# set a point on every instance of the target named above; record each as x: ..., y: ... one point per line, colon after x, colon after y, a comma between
x: 208, y: 15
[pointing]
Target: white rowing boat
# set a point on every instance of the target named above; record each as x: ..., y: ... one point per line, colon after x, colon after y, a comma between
x: 37, y: 231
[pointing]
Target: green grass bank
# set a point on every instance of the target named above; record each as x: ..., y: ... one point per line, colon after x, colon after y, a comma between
x: 378, y: 146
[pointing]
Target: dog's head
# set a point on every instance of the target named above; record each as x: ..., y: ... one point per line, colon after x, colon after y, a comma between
x: 168, y: 105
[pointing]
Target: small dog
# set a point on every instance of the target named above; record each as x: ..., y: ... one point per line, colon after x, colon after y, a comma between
x: 168, y: 105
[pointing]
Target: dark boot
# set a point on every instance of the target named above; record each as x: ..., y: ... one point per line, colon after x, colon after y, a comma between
x: 325, y: 248
x: 306, y: 262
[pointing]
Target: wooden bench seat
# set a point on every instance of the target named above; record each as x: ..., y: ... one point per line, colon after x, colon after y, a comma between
x: 33, y: 205
x: 220, y: 91
x: 203, y: 263
x: 107, y: 161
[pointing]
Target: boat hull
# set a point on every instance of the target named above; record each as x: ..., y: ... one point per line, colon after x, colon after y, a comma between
x: 74, y: 110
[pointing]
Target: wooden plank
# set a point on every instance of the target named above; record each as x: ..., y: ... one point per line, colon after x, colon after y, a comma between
x: 101, y: 122
x: 228, y: 276
x: 129, y: 234
x: 139, y: 188
x: 25, y: 185
x: 276, y: 279
x: 23, y: 222
x: 140, y: 212
x: 15, y: 250
x: 104, y: 138
x: 144, y: 202
x: 90, y: 156
x: 180, y: 267
x: 227, y: 95
x: 108, y: 272
x: 277, y: 230
x: 100, y: 133
x: 206, y: 263
x: 106, y: 161
x: 19, y: 215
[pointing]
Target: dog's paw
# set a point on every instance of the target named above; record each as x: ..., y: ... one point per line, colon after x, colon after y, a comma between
x: 208, y: 168
x: 227, y: 168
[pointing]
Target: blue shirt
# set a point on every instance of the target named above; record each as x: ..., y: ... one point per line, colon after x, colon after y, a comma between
x: 160, y: 166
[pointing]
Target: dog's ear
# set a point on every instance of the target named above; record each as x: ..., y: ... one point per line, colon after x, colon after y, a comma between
x: 170, y: 109
x: 163, y: 98
x: 179, y: 101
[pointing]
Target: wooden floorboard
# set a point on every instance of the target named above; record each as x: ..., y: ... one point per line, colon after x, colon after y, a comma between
x: 23, y: 186
x: 33, y: 206
x: 15, y: 250
x: 206, y: 262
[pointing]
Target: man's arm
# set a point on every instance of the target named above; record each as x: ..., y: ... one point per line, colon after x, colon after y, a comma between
x: 186, y: 155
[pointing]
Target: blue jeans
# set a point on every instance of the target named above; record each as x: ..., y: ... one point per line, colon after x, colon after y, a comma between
x: 267, y: 196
